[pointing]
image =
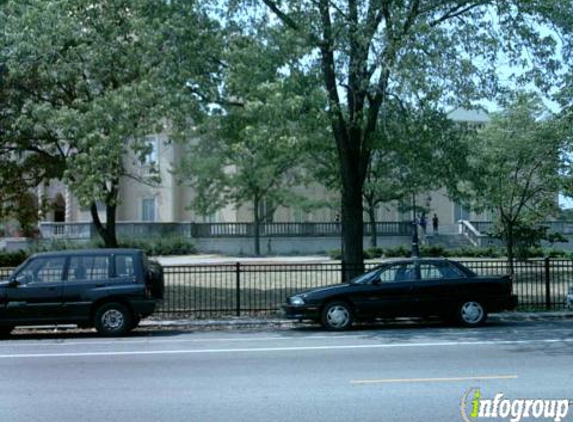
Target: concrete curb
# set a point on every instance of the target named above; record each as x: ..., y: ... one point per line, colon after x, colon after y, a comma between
x: 246, y: 322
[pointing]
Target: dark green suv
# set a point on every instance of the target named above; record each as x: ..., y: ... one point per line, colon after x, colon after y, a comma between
x: 109, y: 289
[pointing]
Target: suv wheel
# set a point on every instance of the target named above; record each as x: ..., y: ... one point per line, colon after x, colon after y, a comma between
x: 336, y: 316
x: 113, y: 319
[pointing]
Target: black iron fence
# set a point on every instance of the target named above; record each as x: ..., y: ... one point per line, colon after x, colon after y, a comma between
x: 239, y: 289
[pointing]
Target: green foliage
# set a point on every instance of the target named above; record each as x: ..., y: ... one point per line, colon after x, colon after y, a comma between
x: 86, y: 82
x: 432, y: 250
x: 12, y: 259
x: 397, y: 252
x: 62, y: 245
x: 335, y: 254
x: 373, y: 253
x: 364, y: 54
x: 556, y: 253
x: 370, y: 253
x: 514, y: 170
x: 161, y: 246
x: 249, y: 152
x: 155, y: 246
x: 437, y: 251
x: 415, y: 149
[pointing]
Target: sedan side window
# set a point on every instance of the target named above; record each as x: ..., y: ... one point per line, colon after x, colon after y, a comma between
x: 44, y: 270
x: 399, y: 273
x: 430, y: 272
x: 436, y: 271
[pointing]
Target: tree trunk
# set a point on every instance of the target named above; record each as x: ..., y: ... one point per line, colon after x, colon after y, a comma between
x: 509, y: 245
x: 352, y: 230
x: 257, y: 225
x: 373, y: 234
x: 105, y: 231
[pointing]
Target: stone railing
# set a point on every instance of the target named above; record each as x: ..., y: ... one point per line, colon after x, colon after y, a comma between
x: 217, y: 230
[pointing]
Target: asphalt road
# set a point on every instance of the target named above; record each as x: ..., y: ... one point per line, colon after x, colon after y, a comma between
x: 387, y: 373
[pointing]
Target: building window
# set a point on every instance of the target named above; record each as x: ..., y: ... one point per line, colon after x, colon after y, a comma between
x: 148, y: 209
x: 153, y: 154
x: 461, y: 213
x: 267, y: 210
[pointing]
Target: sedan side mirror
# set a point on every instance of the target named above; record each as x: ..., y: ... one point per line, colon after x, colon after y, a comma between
x: 13, y: 283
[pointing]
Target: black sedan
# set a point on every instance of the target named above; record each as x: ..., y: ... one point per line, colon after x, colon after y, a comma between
x: 406, y: 288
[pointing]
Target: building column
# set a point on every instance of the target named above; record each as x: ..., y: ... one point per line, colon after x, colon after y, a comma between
x: 68, y: 201
x: 41, y: 193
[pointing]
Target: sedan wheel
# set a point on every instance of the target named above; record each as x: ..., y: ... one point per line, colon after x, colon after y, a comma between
x: 336, y: 316
x: 471, y: 314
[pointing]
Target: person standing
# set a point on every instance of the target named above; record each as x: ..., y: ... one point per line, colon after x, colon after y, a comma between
x: 435, y: 223
x: 423, y: 223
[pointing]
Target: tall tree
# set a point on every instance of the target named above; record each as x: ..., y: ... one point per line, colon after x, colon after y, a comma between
x: 369, y: 51
x: 416, y: 149
x: 92, y: 78
x: 249, y: 151
x: 515, y: 166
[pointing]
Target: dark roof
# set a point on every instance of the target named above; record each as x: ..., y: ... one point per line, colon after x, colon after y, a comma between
x: 429, y: 259
x: 89, y: 252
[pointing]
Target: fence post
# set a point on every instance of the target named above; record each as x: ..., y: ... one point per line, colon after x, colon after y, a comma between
x: 547, y: 284
x: 238, y: 288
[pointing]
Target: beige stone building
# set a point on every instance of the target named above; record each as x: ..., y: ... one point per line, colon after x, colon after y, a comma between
x: 169, y: 201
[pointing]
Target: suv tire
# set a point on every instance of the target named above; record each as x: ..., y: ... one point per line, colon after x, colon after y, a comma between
x: 113, y: 319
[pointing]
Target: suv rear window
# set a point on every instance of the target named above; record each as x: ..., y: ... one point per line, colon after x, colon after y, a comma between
x: 124, y: 266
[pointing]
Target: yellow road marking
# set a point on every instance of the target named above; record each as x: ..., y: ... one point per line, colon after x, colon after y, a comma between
x: 452, y: 379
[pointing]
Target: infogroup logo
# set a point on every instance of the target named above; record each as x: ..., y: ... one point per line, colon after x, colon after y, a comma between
x: 474, y: 407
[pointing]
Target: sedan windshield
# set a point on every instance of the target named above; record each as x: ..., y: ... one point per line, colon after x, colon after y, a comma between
x: 365, y: 278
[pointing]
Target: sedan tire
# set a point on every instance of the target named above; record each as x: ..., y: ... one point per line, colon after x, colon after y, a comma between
x: 336, y: 316
x: 471, y: 313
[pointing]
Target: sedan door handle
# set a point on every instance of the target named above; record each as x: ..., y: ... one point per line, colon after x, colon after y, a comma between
x: 100, y: 285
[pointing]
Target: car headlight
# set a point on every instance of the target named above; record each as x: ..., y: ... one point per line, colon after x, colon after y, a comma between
x: 296, y: 301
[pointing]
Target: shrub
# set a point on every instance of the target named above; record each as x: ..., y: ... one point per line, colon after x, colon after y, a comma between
x: 373, y: 252
x: 62, y: 245
x: 12, y: 259
x: 433, y: 251
x: 397, y: 252
x: 370, y: 253
x: 161, y: 245
x: 556, y: 253
x: 335, y: 254
x: 151, y: 246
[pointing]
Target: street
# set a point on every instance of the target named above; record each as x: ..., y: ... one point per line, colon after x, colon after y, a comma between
x: 395, y: 372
